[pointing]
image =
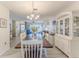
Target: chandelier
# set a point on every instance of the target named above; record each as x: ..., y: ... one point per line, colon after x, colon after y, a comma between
x: 34, y: 15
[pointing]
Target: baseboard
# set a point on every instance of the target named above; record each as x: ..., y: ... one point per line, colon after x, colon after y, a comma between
x: 62, y: 52
x: 4, y: 51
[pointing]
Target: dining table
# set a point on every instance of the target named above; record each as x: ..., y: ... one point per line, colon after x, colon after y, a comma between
x: 46, y: 44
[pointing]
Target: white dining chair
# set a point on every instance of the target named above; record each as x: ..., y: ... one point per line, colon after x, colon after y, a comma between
x: 22, y: 38
x: 32, y: 48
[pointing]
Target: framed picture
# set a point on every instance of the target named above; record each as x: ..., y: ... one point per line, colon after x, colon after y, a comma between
x: 3, y: 23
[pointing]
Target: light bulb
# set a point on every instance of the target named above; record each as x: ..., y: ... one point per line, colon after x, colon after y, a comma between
x: 37, y: 17
x: 28, y: 17
x: 32, y: 15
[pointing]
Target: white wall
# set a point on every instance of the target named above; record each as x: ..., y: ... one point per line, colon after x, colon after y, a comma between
x: 4, y: 32
x: 16, y: 16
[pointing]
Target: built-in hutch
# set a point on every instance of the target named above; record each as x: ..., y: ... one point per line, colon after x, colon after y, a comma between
x: 67, y: 33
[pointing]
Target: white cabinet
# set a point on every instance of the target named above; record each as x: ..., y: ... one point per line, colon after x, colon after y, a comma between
x: 67, y: 33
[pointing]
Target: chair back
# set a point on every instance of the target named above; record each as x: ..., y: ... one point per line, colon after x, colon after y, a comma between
x: 22, y: 36
x: 32, y: 48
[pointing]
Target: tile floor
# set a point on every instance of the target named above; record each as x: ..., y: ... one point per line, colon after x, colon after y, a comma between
x: 16, y: 53
x: 55, y: 53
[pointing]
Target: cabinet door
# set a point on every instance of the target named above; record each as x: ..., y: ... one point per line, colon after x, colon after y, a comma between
x: 67, y: 26
x: 61, y: 27
x: 66, y: 46
x: 56, y: 27
x: 76, y: 26
x: 57, y: 40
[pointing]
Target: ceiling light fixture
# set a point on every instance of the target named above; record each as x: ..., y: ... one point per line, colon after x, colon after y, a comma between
x: 34, y: 15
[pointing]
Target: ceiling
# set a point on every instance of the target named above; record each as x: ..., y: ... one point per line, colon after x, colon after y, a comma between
x: 45, y: 8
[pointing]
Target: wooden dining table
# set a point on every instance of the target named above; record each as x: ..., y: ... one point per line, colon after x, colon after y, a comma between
x: 46, y: 44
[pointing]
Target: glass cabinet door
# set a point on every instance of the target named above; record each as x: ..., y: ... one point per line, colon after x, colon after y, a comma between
x: 76, y: 26
x: 57, y: 27
x: 67, y: 26
x: 61, y: 26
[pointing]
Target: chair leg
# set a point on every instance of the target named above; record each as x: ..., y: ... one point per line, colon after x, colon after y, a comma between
x: 22, y: 51
x: 45, y: 52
